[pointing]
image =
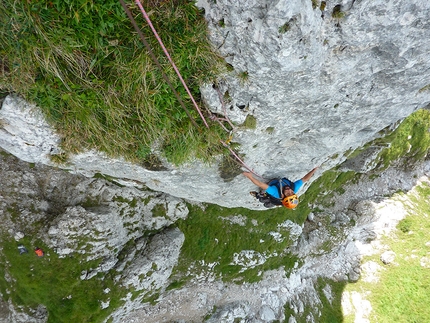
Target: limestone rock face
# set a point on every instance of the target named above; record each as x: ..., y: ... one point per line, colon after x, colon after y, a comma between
x: 126, y: 228
x: 322, y: 85
x: 317, y: 81
x: 155, y: 262
x: 388, y: 257
x: 121, y: 215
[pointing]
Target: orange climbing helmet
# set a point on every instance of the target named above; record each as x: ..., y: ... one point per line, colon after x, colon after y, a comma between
x: 291, y: 201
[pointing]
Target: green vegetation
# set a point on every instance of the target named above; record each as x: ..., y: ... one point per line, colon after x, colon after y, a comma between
x: 326, y: 186
x: 211, y: 238
x: 401, y: 294
x: 159, y: 210
x: 229, y: 168
x: 337, y: 12
x: 410, y: 141
x: 323, y: 5
x: 270, y: 130
x: 330, y: 294
x: 55, y: 282
x: 60, y: 158
x: 315, y: 4
x: 213, y: 235
x: 83, y: 64
x: 405, y: 225
x: 284, y: 28
x: 424, y: 89
x: 250, y: 122
x: 243, y: 76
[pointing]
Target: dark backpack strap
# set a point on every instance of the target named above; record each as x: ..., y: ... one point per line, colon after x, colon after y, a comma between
x: 280, y: 187
x: 287, y: 182
x: 274, y: 200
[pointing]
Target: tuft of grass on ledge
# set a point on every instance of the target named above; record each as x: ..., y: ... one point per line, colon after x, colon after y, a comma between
x: 85, y: 66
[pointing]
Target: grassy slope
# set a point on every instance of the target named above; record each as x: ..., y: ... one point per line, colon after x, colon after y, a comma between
x: 84, y: 65
x: 211, y: 238
x: 402, y: 292
x: 55, y: 283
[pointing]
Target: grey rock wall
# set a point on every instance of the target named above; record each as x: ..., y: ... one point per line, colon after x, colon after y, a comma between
x: 317, y: 87
x: 324, y: 85
x: 91, y: 219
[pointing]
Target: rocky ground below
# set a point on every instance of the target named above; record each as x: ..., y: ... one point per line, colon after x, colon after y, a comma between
x: 57, y: 195
x: 375, y: 214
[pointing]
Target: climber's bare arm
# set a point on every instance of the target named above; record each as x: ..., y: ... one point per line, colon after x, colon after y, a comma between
x: 260, y: 184
x: 309, y: 175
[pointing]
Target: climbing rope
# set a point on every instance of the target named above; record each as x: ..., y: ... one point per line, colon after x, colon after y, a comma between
x: 240, y: 160
x: 170, y: 60
x: 154, y: 58
x: 216, y: 118
x: 213, y: 116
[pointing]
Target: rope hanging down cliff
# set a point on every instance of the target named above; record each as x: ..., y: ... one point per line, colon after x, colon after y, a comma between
x: 153, y: 57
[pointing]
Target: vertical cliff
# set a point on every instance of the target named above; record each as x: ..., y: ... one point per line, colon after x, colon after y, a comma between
x: 307, y: 83
x: 312, y: 82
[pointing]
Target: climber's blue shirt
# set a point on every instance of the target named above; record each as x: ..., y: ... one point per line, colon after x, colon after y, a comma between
x: 273, y: 190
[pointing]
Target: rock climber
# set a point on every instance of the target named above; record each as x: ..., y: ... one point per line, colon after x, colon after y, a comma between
x: 279, y: 191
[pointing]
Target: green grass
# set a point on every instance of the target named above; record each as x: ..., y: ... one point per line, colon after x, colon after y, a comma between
x: 331, y: 308
x: 337, y: 12
x: 243, y: 76
x: 328, y: 311
x: 211, y: 238
x: 411, y: 140
x: 402, y: 292
x: 325, y: 187
x: 315, y: 4
x: 284, y: 28
x: 409, y: 143
x: 83, y: 64
x: 55, y: 282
